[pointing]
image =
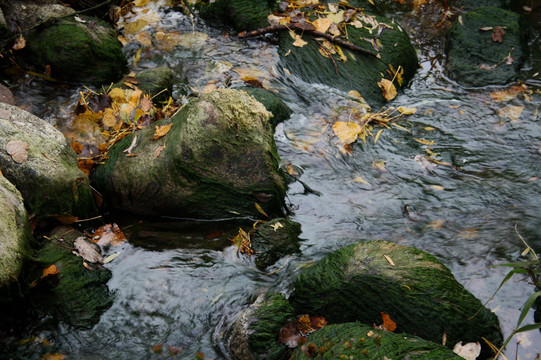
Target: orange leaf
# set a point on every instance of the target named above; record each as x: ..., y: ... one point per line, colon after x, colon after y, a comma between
x: 109, y: 234
x: 66, y: 219
x: 304, y: 324
x: 76, y: 146
x: 162, y: 131
x: 389, y: 324
x: 51, y: 270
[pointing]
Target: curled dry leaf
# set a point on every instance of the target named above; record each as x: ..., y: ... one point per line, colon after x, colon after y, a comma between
x: 161, y: 131
x: 387, y: 89
x: 18, y: 150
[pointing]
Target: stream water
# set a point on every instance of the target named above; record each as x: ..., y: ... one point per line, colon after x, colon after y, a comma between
x: 181, y: 283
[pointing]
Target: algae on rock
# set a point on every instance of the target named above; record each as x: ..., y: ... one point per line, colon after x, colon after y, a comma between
x: 357, y: 283
x: 218, y: 159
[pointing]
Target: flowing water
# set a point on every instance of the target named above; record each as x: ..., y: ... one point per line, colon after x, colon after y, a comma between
x: 181, y: 283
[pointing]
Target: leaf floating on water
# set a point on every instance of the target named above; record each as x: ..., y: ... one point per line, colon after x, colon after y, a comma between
x: 424, y: 162
x: 437, y: 187
x: 406, y: 110
x: 509, y: 94
x: 378, y: 135
x: 425, y: 142
x: 470, y: 351
x: 512, y: 112
x: 347, y: 132
x: 162, y: 131
x: 387, y: 89
x: 360, y: 180
x: 18, y: 150
x: 135, y: 26
x: 379, y: 165
x: 111, y: 257
x: 468, y: 234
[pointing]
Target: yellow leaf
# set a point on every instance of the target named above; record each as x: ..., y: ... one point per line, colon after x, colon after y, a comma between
x: 389, y: 260
x: 387, y: 89
x: 162, y: 131
x: 468, y: 233
x: 109, y: 119
x: 347, y: 132
x: 379, y: 165
x: 136, y: 57
x: 277, y: 226
x: 406, y: 110
x: 437, y: 187
x: 361, y: 180
x: 260, y: 209
x: 340, y: 53
x: 134, y: 98
x: 336, y: 18
x: 512, y: 112
x: 117, y: 94
x: 135, y: 26
x: 53, y: 357
x: 20, y: 43
x: 436, y: 224
x: 425, y: 142
x: 299, y: 42
x: 140, y: 3
x: 144, y: 38
x: 377, y: 136
x: 51, y: 270
x: 322, y: 24
x: 429, y: 128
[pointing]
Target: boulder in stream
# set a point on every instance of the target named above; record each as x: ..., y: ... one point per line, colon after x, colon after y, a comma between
x: 255, y: 332
x: 15, y: 240
x: 487, y: 48
x: 73, y: 293
x: 157, y: 82
x: 217, y: 160
x: 360, y: 281
x: 274, y: 239
x: 280, y: 111
x: 39, y: 161
x: 359, y: 341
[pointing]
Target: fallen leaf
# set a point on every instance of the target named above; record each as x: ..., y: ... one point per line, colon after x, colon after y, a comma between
x: 389, y: 260
x: 437, y: 187
x: 5, y: 114
x: 388, y: 323
x: 87, y: 250
x: 144, y: 38
x: 377, y: 136
x: 110, y: 258
x: 18, y: 150
x: 108, y: 235
x: 497, y: 34
x: 276, y: 226
x: 468, y: 233
x: 20, y: 43
x: 305, y: 326
x: 470, y: 351
x: 53, y: 357
x: 135, y: 26
x: 117, y: 94
x: 436, y: 224
x: 76, y: 146
x: 322, y: 24
x: 48, y: 271
x: 161, y: 131
x: 379, y: 165
x: 159, y: 150
x: 109, y: 118
x: 360, y: 180
x: 140, y: 3
x: 425, y: 142
x: 387, y: 89
x: 425, y: 163
x: 146, y: 104
x: 347, y: 132
x: 261, y: 211
x: 66, y: 219
x: 406, y: 110
x: 512, y: 112
x: 243, y: 242
x: 486, y: 28
x: 299, y: 42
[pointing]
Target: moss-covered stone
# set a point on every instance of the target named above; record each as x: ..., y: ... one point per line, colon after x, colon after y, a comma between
x: 218, y: 159
x: 280, y: 111
x: 83, y: 51
x: 359, y: 71
x: 357, y: 283
x: 15, y: 239
x: 475, y: 59
x: 49, y: 179
x: 358, y: 341
x: 76, y: 295
x: 242, y: 15
x: 155, y: 81
x: 275, y: 239
x: 255, y: 332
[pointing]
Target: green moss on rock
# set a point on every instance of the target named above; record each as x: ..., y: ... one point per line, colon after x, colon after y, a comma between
x: 157, y: 82
x: 357, y: 283
x: 76, y: 295
x: 353, y: 341
x: 255, y: 332
x: 280, y: 111
x: 86, y: 51
x: 242, y: 15
x: 219, y: 159
x: 275, y: 239
x: 475, y: 59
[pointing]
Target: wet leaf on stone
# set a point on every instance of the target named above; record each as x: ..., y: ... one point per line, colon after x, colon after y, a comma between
x: 87, y: 250
x: 406, y: 110
x: 497, y: 34
x: 161, y: 131
x: 66, y: 219
x: 18, y: 150
x: 108, y: 235
x: 469, y: 351
x: 299, y: 42
x: 20, y: 43
x: 260, y: 209
x: 48, y: 271
x: 388, y: 323
x: 387, y: 89
x: 389, y: 260
x: 322, y: 24
x: 159, y: 150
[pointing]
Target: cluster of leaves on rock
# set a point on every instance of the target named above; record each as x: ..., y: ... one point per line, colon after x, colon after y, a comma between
x: 117, y: 113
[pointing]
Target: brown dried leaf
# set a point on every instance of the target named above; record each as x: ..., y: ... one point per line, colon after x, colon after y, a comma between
x: 109, y: 234
x: 48, y: 271
x: 66, y: 219
x: 87, y: 250
x: 388, y: 323
x: 18, y: 150
x: 20, y: 43
x: 158, y: 151
x: 497, y: 35
x: 146, y: 104
x: 162, y: 131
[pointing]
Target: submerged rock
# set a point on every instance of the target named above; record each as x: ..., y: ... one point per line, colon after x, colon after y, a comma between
x: 275, y: 239
x: 38, y: 160
x: 76, y: 294
x: 358, y: 282
x: 157, y: 82
x: 15, y: 240
x: 217, y: 160
x: 487, y: 48
x: 358, y: 341
x: 255, y: 332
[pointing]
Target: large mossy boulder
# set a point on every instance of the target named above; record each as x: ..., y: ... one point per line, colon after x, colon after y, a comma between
x: 280, y: 111
x: 242, y: 15
x: 15, y: 240
x: 76, y: 294
x: 358, y: 341
x: 492, y: 56
x: 39, y: 161
x: 218, y: 159
x: 274, y: 239
x: 77, y: 49
x: 255, y: 332
x: 359, y: 282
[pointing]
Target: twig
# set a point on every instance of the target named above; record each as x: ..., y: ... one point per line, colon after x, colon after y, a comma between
x: 304, y: 28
